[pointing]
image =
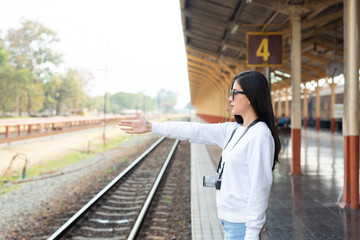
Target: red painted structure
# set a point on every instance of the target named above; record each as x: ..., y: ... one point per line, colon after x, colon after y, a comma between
x: 212, y: 118
x: 351, y: 171
x: 23, y: 128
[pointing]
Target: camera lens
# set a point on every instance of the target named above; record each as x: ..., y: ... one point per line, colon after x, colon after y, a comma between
x: 209, y: 181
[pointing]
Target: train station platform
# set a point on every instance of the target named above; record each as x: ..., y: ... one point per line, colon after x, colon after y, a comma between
x: 300, y: 207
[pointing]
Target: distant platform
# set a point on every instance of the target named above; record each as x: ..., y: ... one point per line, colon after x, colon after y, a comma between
x: 300, y: 207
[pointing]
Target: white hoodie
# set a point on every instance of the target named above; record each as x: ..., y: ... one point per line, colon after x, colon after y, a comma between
x: 247, y: 176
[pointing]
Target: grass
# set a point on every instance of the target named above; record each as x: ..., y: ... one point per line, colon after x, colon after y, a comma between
x: 58, y: 163
x: 179, y: 163
x: 9, y: 189
x: 113, y: 168
x: 61, y: 205
x: 168, y: 199
x: 110, y: 170
x: 116, y: 141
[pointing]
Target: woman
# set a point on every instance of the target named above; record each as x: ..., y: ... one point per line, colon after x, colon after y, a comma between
x: 250, y: 150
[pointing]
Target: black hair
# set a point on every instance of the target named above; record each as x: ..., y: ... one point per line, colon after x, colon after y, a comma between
x: 256, y: 88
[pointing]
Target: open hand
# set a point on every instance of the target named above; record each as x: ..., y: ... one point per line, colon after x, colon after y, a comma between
x: 136, y: 126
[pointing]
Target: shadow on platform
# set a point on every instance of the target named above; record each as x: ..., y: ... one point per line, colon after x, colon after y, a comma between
x: 306, y: 206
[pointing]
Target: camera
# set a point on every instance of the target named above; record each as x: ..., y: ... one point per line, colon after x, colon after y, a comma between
x: 212, y: 181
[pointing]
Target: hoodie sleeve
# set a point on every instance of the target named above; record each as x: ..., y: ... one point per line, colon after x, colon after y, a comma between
x: 212, y: 134
x: 260, y: 174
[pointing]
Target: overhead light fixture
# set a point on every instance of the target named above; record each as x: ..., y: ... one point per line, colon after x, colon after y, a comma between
x: 278, y: 72
x: 234, y: 29
x: 287, y: 75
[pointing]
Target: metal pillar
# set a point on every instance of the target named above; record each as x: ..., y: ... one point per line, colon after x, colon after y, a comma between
x: 332, y: 119
x: 267, y: 75
x: 287, y: 103
x: 351, y: 123
x: 279, y: 106
x: 305, y: 109
x: 295, y: 87
x: 273, y: 103
x: 317, y: 90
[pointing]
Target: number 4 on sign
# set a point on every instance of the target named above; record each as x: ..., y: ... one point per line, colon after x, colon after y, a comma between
x: 263, y: 49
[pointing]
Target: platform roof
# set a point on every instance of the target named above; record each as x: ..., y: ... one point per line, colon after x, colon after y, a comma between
x: 215, y: 37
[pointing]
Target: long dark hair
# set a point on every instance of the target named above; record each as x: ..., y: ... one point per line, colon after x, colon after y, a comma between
x: 256, y: 88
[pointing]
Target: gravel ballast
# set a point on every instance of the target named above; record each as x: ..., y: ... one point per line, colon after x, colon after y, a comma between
x: 31, y: 209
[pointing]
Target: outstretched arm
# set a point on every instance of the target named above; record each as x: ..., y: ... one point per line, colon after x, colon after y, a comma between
x: 136, y: 126
x: 213, y: 134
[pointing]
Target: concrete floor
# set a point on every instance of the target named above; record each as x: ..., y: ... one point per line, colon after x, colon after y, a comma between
x: 300, y: 207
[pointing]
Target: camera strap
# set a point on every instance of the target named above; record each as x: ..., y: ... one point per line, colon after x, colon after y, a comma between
x: 222, y: 169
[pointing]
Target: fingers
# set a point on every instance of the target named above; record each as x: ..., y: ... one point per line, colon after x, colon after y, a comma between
x: 133, y: 131
x: 125, y: 123
x: 128, y: 125
x: 128, y: 130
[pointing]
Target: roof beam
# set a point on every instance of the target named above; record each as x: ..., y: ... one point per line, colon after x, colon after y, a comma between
x: 315, y: 22
x: 316, y: 59
x: 304, y: 76
x: 206, y: 78
x: 215, y: 65
x: 210, y: 71
x: 324, y: 19
x: 286, y: 8
x: 315, y: 32
x: 237, y: 11
x: 320, y: 73
x: 239, y: 61
x: 316, y: 12
x: 270, y: 20
x: 204, y: 38
x: 210, y: 18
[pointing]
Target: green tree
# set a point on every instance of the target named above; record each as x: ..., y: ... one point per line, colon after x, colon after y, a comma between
x: 120, y: 101
x: 51, y: 88
x: 7, y: 87
x: 189, y: 107
x: 166, y: 100
x: 3, y: 55
x: 66, y: 92
x: 96, y: 103
x: 22, y: 78
x: 76, y: 82
x: 12, y: 85
x: 30, y: 48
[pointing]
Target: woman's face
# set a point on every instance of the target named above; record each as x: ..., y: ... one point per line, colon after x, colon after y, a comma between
x: 240, y: 104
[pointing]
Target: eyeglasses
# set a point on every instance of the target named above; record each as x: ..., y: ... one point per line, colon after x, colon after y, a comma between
x: 234, y: 92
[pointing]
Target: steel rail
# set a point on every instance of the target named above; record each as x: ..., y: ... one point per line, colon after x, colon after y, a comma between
x: 141, y: 216
x: 67, y: 225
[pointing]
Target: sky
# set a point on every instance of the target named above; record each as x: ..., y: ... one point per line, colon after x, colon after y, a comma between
x: 140, y: 42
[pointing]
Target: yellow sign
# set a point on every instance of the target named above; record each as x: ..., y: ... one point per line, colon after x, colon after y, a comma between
x: 265, y: 49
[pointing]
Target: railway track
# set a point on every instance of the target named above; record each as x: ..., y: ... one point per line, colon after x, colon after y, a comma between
x: 118, y: 210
